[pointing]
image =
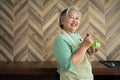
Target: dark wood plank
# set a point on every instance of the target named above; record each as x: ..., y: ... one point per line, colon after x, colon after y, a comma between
x: 48, y: 67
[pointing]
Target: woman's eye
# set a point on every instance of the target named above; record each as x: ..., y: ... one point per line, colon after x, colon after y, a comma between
x: 77, y: 18
x: 71, y: 17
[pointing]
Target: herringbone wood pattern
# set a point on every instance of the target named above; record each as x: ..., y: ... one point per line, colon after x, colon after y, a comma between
x: 28, y: 27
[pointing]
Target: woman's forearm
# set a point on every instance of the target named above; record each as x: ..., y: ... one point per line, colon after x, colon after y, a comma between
x: 76, y: 57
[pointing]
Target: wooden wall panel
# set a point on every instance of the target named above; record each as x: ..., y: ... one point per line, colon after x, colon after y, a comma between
x: 6, y: 31
x: 112, y: 24
x: 97, y: 25
x: 20, y: 30
x: 28, y: 27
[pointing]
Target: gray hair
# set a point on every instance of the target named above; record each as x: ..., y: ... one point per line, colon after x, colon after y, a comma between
x: 65, y: 12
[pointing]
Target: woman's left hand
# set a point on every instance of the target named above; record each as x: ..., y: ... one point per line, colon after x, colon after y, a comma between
x: 92, y: 50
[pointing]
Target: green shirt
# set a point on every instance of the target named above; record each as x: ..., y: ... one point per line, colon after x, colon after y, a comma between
x: 63, y: 50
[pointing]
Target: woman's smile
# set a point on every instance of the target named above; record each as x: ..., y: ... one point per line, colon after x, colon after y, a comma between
x: 74, y: 24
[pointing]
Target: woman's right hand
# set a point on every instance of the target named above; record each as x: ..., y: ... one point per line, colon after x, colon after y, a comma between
x: 87, y: 41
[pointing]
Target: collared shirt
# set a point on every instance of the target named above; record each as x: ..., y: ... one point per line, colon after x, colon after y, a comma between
x: 63, y: 50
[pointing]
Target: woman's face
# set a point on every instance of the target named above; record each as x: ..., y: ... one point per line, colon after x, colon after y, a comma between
x: 71, y: 22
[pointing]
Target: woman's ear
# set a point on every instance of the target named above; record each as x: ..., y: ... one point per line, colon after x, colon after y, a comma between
x: 61, y: 20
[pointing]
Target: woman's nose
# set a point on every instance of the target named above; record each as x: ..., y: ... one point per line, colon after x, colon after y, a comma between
x: 75, y: 20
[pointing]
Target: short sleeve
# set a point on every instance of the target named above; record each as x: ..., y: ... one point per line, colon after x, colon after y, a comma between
x: 63, y: 54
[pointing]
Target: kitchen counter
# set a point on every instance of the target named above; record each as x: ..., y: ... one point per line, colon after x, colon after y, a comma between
x: 42, y: 67
x: 100, y: 69
x: 40, y: 70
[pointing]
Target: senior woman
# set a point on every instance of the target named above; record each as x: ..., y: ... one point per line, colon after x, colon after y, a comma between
x: 70, y: 50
